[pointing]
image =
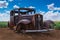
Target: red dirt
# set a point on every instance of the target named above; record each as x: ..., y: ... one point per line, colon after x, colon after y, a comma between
x: 6, y: 34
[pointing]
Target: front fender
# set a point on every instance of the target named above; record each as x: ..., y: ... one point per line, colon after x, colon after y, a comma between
x: 24, y: 21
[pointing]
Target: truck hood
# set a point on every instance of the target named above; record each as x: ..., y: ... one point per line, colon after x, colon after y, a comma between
x: 24, y: 21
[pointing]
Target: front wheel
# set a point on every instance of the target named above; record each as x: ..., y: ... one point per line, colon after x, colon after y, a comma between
x: 20, y: 28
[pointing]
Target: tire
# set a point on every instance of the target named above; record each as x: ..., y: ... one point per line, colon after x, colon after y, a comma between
x: 49, y: 24
x: 20, y: 28
x: 8, y: 24
x: 10, y: 27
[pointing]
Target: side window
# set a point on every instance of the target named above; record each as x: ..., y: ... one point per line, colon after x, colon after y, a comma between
x: 16, y: 14
x: 31, y: 13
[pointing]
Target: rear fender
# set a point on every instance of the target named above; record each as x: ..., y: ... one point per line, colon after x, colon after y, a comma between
x: 10, y: 25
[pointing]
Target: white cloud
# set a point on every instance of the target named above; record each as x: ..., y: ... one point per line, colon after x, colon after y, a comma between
x: 51, y: 7
x: 41, y: 12
x: 1, y: 14
x: 10, y: 0
x: 31, y: 7
x: 3, y: 4
x: 5, y: 16
x: 50, y: 15
x: 15, y: 6
x: 56, y: 8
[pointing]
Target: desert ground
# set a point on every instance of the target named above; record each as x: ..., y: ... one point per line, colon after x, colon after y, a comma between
x: 7, y: 34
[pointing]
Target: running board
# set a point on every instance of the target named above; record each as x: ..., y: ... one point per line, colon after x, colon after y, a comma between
x: 43, y: 30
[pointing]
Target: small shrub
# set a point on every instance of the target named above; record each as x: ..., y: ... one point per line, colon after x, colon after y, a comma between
x: 57, y: 26
x: 3, y: 24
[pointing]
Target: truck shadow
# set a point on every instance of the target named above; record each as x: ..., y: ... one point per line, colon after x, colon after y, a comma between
x: 37, y: 34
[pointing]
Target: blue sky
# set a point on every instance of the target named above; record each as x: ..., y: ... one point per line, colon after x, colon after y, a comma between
x: 50, y: 9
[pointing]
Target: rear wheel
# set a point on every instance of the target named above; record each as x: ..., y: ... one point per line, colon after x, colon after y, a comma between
x: 49, y: 25
x: 9, y: 26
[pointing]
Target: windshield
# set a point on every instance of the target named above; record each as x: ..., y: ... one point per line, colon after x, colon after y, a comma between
x: 23, y: 10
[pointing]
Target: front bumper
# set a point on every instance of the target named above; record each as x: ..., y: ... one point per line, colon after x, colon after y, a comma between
x: 43, y: 30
